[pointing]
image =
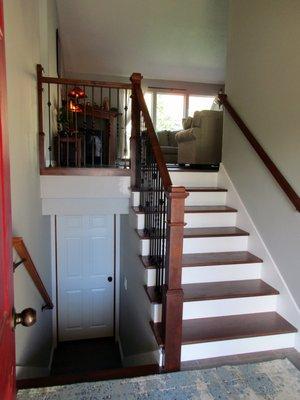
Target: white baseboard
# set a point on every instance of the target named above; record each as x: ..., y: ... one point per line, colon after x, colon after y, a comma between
x: 150, y: 357
x: 31, y: 372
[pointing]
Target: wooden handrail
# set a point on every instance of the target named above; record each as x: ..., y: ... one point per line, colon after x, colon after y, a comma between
x: 159, y: 157
x: 83, y: 82
x: 280, y: 179
x: 22, y: 251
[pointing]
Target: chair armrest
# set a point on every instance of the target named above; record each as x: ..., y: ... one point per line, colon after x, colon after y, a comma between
x: 185, y: 136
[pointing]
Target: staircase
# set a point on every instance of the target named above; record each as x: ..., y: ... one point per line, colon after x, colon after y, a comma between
x: 227, y: 308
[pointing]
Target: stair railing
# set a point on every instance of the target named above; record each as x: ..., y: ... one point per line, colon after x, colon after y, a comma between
x: 23, y: 253
x: 278, y: 176
x: 82, y: 124
x: 163, y: 207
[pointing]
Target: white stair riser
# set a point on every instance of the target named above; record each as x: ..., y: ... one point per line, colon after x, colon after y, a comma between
x: 197, y: 179
x: 237, y: 346
x: 206, y: 199
x: 209, y: 220
x: 215, y: 244
x: 221, y: 307
x: 219, y: 273
x: 205, y: 245
x: 197, y: 220
x: 194, y: 199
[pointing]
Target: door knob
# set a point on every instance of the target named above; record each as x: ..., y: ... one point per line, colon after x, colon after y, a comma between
x: 26, y: 318
x: 109, y: 279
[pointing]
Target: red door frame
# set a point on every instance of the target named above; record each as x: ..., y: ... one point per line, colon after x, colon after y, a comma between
x: 7, y: 337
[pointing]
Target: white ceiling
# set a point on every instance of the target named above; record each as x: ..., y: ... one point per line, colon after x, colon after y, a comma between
x: 181, y: 40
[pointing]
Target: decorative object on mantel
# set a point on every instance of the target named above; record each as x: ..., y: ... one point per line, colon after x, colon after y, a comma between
x: 105, y: 104
x: 77, y: 93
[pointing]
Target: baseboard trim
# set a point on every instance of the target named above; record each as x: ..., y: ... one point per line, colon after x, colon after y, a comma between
x: 118, y: 373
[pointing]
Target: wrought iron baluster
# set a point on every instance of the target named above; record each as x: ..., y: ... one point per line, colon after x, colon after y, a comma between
x: 58, y: 122
x: 67, y: 127
x: 125, y: 130
x: 49, y: 127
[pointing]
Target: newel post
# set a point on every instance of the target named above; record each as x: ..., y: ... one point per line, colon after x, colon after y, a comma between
x: 173, y: 293
x: 135, y: 143
x: 39, y: 71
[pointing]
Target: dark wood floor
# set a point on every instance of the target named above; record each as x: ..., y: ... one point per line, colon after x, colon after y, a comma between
x: 85, y: 356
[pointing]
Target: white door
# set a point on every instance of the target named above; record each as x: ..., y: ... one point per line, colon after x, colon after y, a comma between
x: 85, y: 276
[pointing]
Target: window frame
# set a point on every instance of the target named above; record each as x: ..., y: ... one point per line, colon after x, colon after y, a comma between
x: 182, y: 92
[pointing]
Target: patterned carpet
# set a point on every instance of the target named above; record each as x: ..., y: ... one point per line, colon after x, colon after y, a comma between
x: 272, y: 380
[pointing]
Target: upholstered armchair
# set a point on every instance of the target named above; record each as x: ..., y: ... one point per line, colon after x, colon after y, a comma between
x: 201, y: 140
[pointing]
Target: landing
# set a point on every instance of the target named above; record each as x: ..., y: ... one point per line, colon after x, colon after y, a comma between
x: 85, y: 356
x: 249, y: 381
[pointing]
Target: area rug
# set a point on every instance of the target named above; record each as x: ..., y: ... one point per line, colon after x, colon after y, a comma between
x: 272, y: 380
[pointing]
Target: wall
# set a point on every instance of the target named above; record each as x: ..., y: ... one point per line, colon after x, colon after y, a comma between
x: 30, y: 27
x: 136, y: 338
x: 262, y: 68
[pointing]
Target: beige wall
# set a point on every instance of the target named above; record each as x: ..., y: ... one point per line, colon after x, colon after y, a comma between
x: 30, y: 26
x: 262, y: 83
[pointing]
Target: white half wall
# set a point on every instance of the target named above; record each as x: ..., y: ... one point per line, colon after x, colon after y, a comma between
x: 85, y: 195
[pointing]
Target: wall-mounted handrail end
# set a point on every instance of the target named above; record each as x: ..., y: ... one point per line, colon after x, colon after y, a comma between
x: 16, y: 264
x: 47, y: 307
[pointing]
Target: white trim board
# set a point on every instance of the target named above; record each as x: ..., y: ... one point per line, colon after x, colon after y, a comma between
x: 286, y: 305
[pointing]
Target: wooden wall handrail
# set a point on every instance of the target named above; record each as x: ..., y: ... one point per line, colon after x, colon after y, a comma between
x: 22, y: 251
x: 159, y: 157
x: 280, y: 179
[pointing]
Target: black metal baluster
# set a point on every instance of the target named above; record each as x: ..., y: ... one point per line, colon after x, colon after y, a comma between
x: 49, y: 127
x: 118, y: 129
x: 84, y: 126
x: 125, y: 130
x: 67, y: 127
x: 58, y: 124
x: 93, y: 130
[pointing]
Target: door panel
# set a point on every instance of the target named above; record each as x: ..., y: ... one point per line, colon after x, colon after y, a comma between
x: 85, y: 260
x: 7, y: 339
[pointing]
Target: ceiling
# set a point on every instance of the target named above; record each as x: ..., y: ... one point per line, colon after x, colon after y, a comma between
x: 182, y: 40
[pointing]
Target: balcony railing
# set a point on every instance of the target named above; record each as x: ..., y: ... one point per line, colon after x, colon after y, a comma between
x: 83, y: 124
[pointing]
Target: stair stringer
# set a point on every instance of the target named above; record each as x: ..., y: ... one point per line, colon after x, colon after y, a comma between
x: 270, y: 273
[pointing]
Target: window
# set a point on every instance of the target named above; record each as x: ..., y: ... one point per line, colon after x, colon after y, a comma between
x: 169, y: 111
x: 149, y: 102
x: 198, y: 103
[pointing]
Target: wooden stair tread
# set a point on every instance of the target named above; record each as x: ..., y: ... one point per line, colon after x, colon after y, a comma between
x: 188, y: 188
x: 212, y: 259
x: 205, y: 232
x: 205, y: 189
x: 202, y: 330
x: 198, y: 209
x: 219, y: 290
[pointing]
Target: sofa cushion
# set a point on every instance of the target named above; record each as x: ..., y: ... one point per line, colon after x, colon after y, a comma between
x: 197, y: 119
x: 185, y: 136
x: 172, y: 140
x: 187, y: 123
x: 163, y: 138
